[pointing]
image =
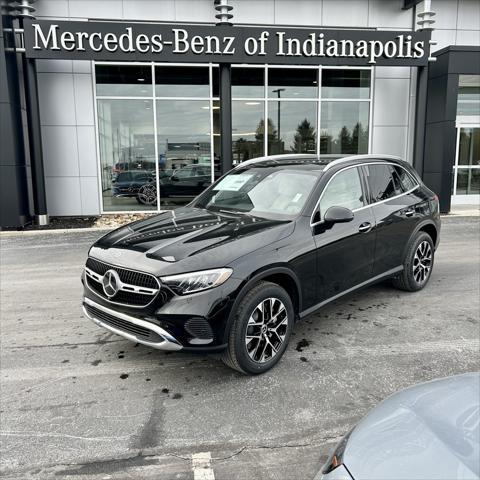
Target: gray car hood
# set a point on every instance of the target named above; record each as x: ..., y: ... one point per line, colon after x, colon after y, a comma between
x: 430, y: 431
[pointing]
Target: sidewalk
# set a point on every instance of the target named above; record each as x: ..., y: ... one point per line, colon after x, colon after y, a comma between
x: 464, y: 211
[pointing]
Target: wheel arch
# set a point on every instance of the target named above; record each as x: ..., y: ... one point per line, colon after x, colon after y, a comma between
x: 427, y: 226
x: 280, y: 275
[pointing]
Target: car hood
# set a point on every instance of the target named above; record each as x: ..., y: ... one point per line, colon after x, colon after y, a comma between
x: 188, y: 239
x: 428, y: 431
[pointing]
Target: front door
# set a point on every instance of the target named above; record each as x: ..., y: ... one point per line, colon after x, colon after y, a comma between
x: 466, y: 180
x: 344, y: 250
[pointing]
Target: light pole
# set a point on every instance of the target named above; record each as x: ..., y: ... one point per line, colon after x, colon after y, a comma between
x: 277, y: 91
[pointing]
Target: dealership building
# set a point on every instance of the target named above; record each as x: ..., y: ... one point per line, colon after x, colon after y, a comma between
x: 113, y: 106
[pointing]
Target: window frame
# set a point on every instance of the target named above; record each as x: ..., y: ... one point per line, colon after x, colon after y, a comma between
x: 365, y: 186
x: 362, y: 187
x: 318, y: 100
x: 371, y: 200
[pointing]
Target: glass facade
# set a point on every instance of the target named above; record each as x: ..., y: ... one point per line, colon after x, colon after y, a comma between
x: 159, y: 125
x: 466, y: 179
x: 468, y: 103
x: 467, y: 168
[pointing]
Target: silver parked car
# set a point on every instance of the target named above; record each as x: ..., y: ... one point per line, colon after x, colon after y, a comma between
x: 427, y: 432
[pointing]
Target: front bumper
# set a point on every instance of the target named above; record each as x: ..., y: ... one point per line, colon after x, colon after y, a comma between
x: 130, y: 327
x: 340, y: 473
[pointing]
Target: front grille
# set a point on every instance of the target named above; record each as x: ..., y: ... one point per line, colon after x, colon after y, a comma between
x: 129, y: 277
x: 126, y: 276
x: 120, y: 324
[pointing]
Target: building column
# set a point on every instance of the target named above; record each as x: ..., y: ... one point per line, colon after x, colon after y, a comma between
x: 35, y: 141
x: 226, y: 116
x: 14, y: 205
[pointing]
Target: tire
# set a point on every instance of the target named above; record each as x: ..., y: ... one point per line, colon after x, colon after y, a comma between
x: 417, y: 265
x: 257, y: 354
x: 147, y: 194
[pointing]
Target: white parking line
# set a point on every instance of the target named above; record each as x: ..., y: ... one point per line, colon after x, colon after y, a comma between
x: 202, y: 467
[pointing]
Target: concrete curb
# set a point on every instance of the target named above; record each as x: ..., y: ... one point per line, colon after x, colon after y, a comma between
x: 16, y: 233
x: 448, y: 216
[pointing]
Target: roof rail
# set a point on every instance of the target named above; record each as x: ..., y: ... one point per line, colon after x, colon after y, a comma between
x: 360, y: 157
x: 279, y: 156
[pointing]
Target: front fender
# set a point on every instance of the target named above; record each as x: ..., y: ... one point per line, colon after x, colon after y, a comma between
x: 257, y: 276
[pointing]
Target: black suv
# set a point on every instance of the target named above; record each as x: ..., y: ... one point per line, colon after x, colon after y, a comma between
x: 270, y: 242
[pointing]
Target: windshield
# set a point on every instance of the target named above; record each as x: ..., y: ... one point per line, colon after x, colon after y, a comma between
x: 267, y: 192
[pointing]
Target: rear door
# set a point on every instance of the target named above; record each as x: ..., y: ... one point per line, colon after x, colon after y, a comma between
x: 394, y: 206
x: 344, y: 250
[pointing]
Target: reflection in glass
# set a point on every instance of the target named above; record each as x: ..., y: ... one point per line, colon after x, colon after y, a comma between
x: 182, y: 81
x: 120, y: 80
x: 468, y: 181
x: 247, y: 130
x: 127, y: 154
x: 468, y: 95
x: 292, y: 83
x: 292, y: 127
x: 345, y: 83
x: 183, y: 132
x: 246, y: 82
x: 468, y: 171
x: 344, y: 128
x: 469, y: 148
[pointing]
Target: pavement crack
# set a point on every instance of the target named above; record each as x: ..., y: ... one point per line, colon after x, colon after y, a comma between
x: 273, y: 447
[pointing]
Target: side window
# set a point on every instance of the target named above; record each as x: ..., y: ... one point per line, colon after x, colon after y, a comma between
x: 406, y: 181
x: 344, y: 190
x: 183, y: 172
x: 380, y: 181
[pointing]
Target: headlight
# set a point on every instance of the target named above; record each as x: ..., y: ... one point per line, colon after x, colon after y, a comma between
x: 187, y: 283
x: 336, y: 458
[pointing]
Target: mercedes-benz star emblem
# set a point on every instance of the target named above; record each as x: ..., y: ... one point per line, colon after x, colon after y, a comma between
x: 111, y: 283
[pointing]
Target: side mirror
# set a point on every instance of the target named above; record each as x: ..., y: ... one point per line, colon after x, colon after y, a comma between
x: 338, y: 215
x: 174, y: 178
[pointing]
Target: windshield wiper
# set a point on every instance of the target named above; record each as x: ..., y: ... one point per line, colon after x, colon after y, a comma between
x: 234, y: 212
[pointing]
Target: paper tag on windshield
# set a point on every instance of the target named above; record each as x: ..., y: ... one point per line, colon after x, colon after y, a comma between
x: 233, y: 183
x: 297, y: 197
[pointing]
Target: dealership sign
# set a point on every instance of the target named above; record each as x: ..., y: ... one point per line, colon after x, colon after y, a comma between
x: 223, y: 44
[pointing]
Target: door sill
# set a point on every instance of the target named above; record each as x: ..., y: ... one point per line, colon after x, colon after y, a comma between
x: 368, y: 282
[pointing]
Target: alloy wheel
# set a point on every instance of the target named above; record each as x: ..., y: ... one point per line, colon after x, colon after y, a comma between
x: 147, y: 194
x: 422, y: 262
x: 266, y: 330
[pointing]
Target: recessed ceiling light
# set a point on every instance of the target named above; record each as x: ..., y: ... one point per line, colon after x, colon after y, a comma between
x: 141, y: 79
x: 252, y: 103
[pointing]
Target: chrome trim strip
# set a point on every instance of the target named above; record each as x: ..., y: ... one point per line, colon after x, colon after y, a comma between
x: 388, y: 273
x: 370, y: 204
x: 169, y: 342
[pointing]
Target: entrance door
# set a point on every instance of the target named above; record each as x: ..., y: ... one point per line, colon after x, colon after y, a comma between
x: 466, y: 184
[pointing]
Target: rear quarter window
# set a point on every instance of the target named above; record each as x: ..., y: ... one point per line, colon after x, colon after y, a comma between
x: 406, y: 180
x: 381, y: 182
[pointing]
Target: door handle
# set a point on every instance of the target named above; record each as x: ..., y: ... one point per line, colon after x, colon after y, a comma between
x: 409, y: 213
x: 365, y: 227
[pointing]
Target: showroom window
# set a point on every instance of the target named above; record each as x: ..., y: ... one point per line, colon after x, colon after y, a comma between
x: 159, y: 125
x: 154, y: 135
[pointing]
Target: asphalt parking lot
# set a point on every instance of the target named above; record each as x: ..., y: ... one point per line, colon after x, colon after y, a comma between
x: 80, y: 403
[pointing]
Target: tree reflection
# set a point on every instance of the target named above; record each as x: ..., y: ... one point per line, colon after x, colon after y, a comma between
x: 304, y: 139
x: 347, y: 142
